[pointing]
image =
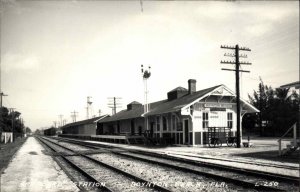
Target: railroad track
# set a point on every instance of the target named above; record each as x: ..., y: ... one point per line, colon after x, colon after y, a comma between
x: 170, y: 156
x: 240, y: 161
x: 201, y: 157
x: 75, y: 173
x: 115, y: 179
x: 245, y: 178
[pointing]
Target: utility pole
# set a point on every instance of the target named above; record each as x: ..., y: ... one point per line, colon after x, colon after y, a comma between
x: 64, y: 122
x: 74, y: 115
x: 237, y: 70
x: 141, y: 2
x: 54, y: 122
x: 1, y: 98
x: 61, y: 120
x: 114, y: 103
x: 99, y: 112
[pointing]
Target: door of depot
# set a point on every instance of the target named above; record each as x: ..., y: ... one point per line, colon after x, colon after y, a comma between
x: 186, y: 131
x: 132, y: 127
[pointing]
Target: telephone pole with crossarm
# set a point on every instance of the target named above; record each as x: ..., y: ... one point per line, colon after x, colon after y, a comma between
x: 237, y: 70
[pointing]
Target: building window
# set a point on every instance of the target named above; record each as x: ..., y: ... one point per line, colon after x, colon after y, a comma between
x: 173, y: 122
x: 157, y: 123
x: 179, y: 126
x: 229, y: 120
x: 165, y: 127
x: 205, y: 119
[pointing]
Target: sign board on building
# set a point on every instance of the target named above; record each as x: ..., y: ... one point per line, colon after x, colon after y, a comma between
x: 217, y: 109
x: 218, y: 105
x: 218, y: 119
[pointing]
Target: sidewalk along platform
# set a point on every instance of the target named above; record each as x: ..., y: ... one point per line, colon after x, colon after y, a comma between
x: 229, y: 156
x: 32, y: 170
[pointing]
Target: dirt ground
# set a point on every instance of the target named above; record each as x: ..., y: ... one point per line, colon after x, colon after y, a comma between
x: 8, y: 150
x: 32, y: 170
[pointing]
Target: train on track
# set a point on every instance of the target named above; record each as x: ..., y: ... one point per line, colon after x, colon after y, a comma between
x: 52, y: 131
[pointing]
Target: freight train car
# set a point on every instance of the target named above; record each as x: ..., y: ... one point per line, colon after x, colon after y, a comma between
x: 50, y: 132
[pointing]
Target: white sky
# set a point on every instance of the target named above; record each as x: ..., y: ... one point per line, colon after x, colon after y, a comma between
x: 54, y: 54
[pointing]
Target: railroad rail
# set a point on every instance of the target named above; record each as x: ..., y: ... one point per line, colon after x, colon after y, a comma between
x: 242, y: 161
x: 259, y: 179
x: 213, y: 165
x: 89, y: 178
x: 148, y: 185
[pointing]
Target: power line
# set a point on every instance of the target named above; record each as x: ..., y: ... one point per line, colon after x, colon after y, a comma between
x: 237, y: 71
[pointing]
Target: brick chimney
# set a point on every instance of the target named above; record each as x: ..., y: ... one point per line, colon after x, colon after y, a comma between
x: 192, y: 86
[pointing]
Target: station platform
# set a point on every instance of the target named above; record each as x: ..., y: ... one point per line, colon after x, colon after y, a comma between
x: 32, y: 170
x: 262, y: 156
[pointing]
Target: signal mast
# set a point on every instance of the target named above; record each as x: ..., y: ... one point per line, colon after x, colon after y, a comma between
x: 146, y: 74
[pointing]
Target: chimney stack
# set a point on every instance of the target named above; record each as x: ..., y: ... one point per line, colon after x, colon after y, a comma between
x: 192, y: 86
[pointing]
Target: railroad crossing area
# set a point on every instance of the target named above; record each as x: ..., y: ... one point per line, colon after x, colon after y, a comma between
x: 32, y: 169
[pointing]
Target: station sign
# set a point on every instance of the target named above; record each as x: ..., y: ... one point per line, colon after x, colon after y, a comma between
x: 218, y: 105
x: 217, y: 109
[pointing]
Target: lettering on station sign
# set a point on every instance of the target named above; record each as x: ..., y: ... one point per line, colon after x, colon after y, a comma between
x: 217, y: 109
x: 217, y: 105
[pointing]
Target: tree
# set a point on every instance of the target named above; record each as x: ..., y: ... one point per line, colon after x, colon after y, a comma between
x: 10, y: 121
x: 278, y: 109
x: 286, y: 108
x: 263, y: 100
x: 28, y: 130
x: 5, y: 120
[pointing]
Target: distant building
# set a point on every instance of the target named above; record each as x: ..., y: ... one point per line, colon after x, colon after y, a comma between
x: 85, y: 127
x: 184, y: 116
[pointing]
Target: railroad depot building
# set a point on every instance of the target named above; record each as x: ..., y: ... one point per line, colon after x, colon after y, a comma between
x: 85, y: 127
x: 184, y: 117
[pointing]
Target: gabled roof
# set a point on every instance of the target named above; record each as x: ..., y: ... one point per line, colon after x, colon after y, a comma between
x: 130, y: 114
x: 219, y: 91
x: 159, y: 107
x: 166, y: 106
x: 83, y: 122
x: 177, y: 104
